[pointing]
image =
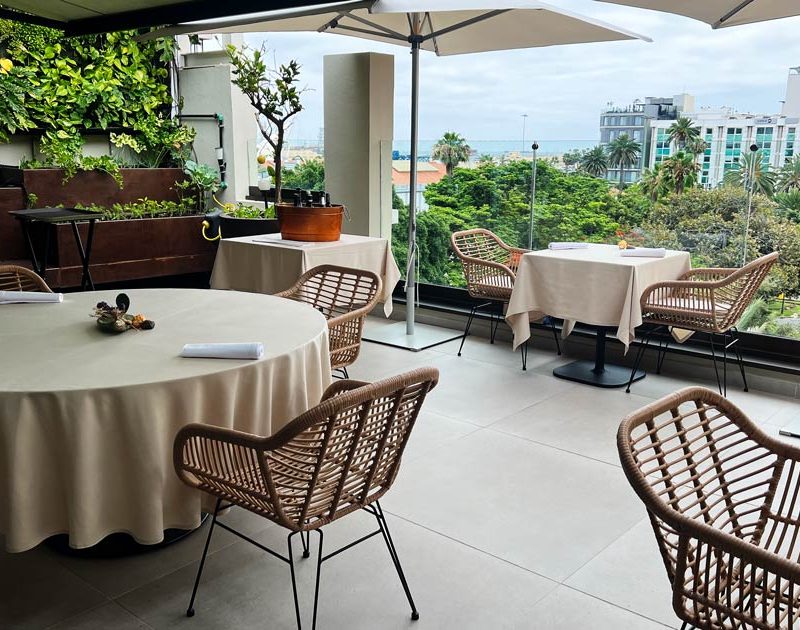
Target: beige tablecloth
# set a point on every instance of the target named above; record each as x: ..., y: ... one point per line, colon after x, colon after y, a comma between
x: 267, y: 264
x: 595, y: 286
x: 87, y: 419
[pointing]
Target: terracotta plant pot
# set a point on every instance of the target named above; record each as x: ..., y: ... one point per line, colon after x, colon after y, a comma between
x: 312, y: 224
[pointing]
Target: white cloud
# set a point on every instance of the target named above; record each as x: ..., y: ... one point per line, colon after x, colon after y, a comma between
x: 562, y: 89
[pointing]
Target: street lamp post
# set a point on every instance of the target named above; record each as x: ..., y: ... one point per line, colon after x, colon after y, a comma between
x: 751, y: 186
x: 524, y: 124
x: 535, y: 148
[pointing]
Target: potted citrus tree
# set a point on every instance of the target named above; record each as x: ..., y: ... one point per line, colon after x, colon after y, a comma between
x: 274, y: 94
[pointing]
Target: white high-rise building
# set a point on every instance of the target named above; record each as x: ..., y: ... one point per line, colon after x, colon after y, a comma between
x: 728, y: 134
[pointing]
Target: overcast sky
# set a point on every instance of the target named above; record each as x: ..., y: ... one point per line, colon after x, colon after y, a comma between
x: 563, y: 88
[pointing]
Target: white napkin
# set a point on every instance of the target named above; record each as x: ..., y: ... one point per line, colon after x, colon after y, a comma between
x: 253, y: 350
x: 568, y: 246
x: 26, y: 297
x: 644, y: 252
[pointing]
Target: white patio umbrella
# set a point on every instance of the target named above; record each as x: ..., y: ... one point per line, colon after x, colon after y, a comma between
x: 721, y: 13
x: 445, y: 27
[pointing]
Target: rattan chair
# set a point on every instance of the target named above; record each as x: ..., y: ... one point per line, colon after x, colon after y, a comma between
x: 15, y: 278
x: 490, y: 269
x: 345, y: 297
x: 337, y: 458
x: 724, y: 501
x: 707, y: 301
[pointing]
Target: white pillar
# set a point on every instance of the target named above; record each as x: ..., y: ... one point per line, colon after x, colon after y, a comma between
x: 206, y: 88
x: 359, y: 127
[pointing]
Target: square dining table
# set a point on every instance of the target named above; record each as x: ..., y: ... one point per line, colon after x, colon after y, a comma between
x: 268, y: 263
x: 595, y: 285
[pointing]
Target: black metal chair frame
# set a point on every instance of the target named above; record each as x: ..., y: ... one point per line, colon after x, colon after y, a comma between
x: 730, y: 340
x: 305, y: 538
x: 494, y: 322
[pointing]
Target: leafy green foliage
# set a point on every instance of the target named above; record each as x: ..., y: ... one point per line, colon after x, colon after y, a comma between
x: 497, y: 196
x: 143, y: 209
x: 65, y: 86
x: 307, y: 175
x: 201, y: 182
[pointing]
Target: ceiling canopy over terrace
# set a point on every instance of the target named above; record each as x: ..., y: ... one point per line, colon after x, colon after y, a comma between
x: 80, y: 17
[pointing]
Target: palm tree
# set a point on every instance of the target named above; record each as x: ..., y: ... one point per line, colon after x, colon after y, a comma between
x: 682, y: 132
x: 654, y: 182
x: 622, y: 153
x: 697, y: 146
x: 595, y: 161
x: 789, y: 175
x: 680, y: 171
x: 763, y: 177
x: 451, y: 150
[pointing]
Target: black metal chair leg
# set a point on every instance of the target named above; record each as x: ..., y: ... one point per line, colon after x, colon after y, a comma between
x: 714, y: 358
x: 387, y: 537
x: 190, y: 609
x: 524, y: 351
x: 294, y: 580
x: 344, y: 371
x: 725, y: 363
x: 638, y: 360
x: 552, y: 323
x: 662, y: 353
x: 305, y: 538
x: 738, y: 351
x: 466, y: 328
x: 316, y: 588
x: 492, y: 327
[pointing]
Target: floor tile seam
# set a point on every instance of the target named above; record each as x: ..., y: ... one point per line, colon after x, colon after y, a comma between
x: 619, y: 606
x: 555, y: 448
x: 131, y: 612
x: 483, y: 552
x: 610, y: 544
x: 82, y: 579
x: 85, y: 611
x: 161, y: 576
x: 445, y: 444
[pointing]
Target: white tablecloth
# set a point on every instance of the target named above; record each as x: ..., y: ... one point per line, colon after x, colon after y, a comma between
x: 267, y: 264
x: 595, y: 286
x: 87, y: 419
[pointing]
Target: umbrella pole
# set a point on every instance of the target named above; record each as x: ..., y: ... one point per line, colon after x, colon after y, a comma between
x: 411, y: 269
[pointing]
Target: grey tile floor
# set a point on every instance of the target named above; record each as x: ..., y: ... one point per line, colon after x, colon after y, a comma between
x: 510, y: 511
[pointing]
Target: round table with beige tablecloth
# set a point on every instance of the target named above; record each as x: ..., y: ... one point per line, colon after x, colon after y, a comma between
x: 87, y: 419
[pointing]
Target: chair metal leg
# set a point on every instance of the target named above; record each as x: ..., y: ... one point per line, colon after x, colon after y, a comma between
x: 638, y: 360
x: 714, y: 358
x: 316, y: 588
x: 190, y: 609
x: 524, y: 351
x: 738, y: 351
x: 387, y: 537
x: 467, y: 327
x: 555, y: 336
x: 305, y: 538
x: 294, y: 580
x: 492, y: 326
x: 662, y: 352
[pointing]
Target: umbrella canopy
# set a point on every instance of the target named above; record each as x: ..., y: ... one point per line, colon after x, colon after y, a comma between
x: 447, y: 27
x: 721, y: 13
x: 444, y: 27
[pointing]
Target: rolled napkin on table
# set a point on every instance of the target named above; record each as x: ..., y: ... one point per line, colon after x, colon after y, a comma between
x: 253, y: 350
x: 568, y: 246
x: 644, y: 252
x: 30, y: 297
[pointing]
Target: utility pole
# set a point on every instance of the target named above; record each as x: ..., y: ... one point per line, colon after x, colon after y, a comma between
x: 534, y: 147
x: 524, y: 124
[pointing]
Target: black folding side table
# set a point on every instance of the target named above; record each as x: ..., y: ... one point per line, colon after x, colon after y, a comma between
x: 53, y: 216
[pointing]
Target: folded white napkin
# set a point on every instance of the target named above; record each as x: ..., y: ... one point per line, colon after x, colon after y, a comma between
x: 25, y: 297
x: 644, y: 252
x: 568, y: 246
x: 252, y: 350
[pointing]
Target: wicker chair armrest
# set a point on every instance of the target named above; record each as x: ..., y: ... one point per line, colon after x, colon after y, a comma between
x: 340, y: 387
x: 740, y: 549
x: 219, y: 439
x: 708, y: 274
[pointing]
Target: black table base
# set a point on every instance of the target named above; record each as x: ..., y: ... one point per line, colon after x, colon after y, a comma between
x: 597, y: 372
